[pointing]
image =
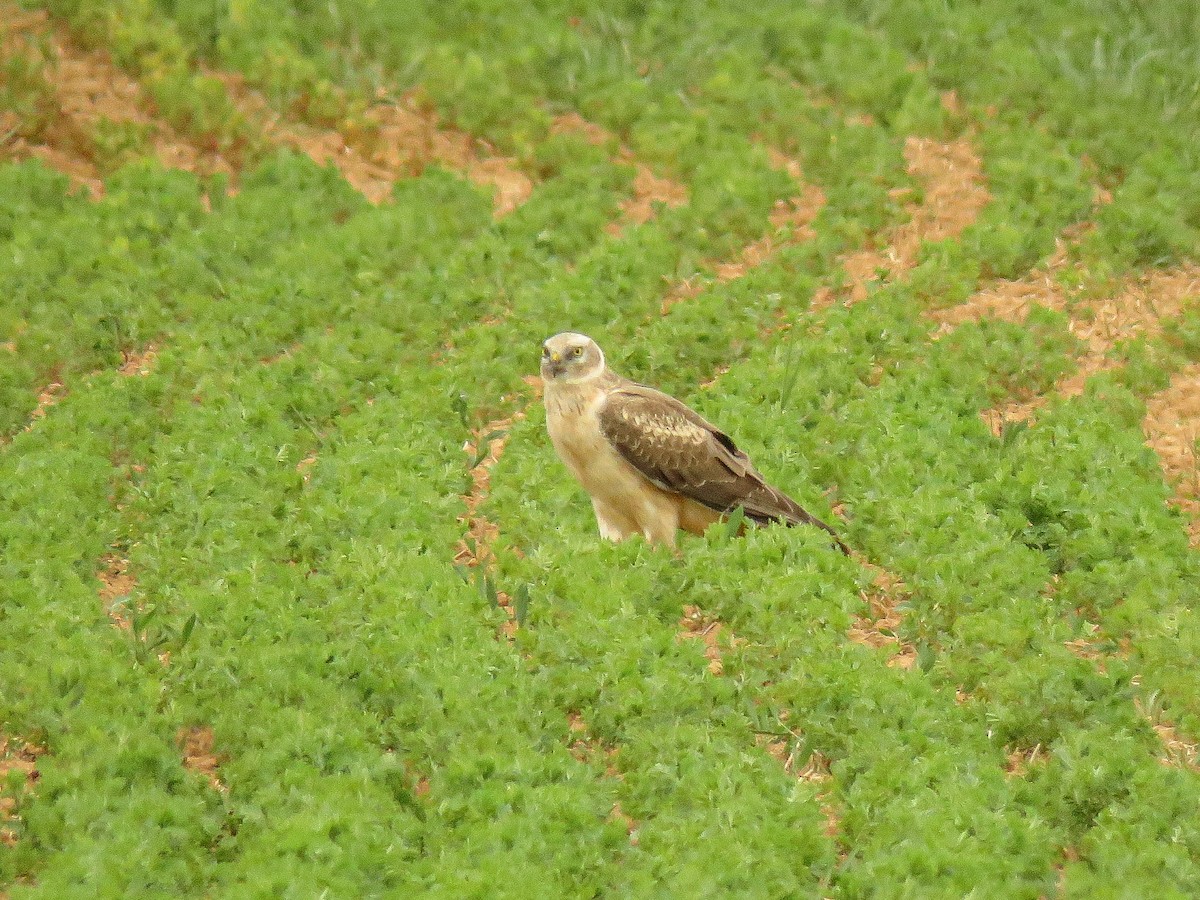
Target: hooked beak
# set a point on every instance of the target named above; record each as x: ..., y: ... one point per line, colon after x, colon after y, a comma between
x: 552, y: 365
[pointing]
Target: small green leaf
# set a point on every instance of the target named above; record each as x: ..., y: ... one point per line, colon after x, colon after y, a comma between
x: 460, y: 406
x: 521, y: 605
x: 733, y: 524
x: 483, y: 446
x: 486, y: 586
x: 188, y: 627
x: 926, y: 656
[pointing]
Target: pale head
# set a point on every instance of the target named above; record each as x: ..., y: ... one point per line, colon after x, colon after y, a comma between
x: 570, y: 357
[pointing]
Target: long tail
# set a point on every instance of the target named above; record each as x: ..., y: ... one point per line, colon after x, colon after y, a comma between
x: 772, y: 505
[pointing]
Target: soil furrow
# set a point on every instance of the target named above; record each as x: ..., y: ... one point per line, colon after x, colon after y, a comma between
x: 117, y: 585
x: 591, y: 750
x: 476, y: 547
x: 399, y: 141
x: 1172, y: 429
x: 649, y: 189
x: 197, y: 746
x: 880, y: 628
x: 396, y: 140
x: 954, y: 194
x: 1100, y: 319
x: 97, y: 105
x: 791, y: 222
x: 474, y: 551
x: 18, y: 764
x: 695, y: 625
x: 133, y: 362
x: 1177, y: 750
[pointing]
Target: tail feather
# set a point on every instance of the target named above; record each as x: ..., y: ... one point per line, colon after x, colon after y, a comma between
x: 769, y: 505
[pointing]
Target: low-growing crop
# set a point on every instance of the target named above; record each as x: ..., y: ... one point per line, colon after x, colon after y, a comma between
x: 295, y: 598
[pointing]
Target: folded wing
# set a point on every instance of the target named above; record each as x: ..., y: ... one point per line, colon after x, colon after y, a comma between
x: 678, y: 450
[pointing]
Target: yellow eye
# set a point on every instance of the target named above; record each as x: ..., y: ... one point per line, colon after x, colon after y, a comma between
x: 578, y: 351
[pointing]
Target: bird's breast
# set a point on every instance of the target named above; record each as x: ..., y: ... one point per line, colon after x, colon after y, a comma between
x: 574, y: 426
x: 572, y: 419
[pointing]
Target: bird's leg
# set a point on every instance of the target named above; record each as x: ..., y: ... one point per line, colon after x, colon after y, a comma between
x: 659, y: 520
x: 609, y: 533
x: 614, y: 526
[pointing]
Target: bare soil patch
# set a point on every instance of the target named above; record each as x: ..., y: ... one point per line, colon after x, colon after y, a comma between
x: 408, y: 139
x: 1008, y: 298
x: 881, y: 627
x: 138, y: 362
x: 814, y: 770
x: 628, y: 822
x: 44, y: 132
x: 649, y: 189
x: 590, y: 750
x: 197, y: 746
x: 116, y: 584
x: 18, y: 756
x: 954, y: 194
x: 1121, y: 311
x: 695, y: 625
x: 1100, y: 318
x: 398, y: 141
x: 596, y: 135
x: 791, y: 222
x: 304, y: 467
x: 1019, y: 761
x: 1172, y: 428
x: 718, y: 372
x: 91, y: 89
x: 1089, y: 648
x: 587, y: 748
x: 92, y: 93
x: 47, y: 397
x: 1178, y: 750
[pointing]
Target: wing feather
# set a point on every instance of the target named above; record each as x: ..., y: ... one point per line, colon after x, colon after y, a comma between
x: 677, y: 449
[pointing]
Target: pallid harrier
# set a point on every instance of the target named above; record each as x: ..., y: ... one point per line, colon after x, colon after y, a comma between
x: 650, y: 464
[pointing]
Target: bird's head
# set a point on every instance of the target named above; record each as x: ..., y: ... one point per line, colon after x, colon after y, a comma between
x: 570, y: 357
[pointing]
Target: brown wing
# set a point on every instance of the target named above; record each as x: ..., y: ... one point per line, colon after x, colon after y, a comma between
x: 676, y: 449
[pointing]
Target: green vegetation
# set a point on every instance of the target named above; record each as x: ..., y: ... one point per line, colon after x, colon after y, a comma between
x: 286, y: 480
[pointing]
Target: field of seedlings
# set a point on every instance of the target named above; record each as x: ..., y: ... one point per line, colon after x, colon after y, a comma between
x: 296, y: 599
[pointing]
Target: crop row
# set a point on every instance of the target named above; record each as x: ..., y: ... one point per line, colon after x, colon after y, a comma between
x: 667, y: 77
x: 986, y: 627
x: 282, y: 488
x: 190, y: 448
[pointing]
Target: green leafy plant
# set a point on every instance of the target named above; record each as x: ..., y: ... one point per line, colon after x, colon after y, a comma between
x: 983, y: 699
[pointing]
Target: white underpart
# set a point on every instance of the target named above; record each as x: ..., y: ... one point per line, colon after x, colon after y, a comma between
x: 626, y: 503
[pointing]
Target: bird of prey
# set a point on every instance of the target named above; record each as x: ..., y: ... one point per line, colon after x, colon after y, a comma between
x: 651, y: 464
